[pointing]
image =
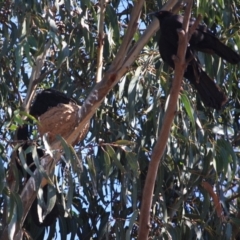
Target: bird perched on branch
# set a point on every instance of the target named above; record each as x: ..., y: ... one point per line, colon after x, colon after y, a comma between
x: 202, y: 40
x: 44, y: 101
x: 47, y: 99
x: 57, y: 114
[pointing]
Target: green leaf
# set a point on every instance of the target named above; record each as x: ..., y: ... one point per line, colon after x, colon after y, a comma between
x: 70, y: 192
x: 26, y: 48
x: 66, y: 148
x: 19, y: 205
x: 112, y: 21
x: 18, y: 58
x: 51, y: 198
x: 123, y: 142
x: 107, y: 163
x: 132, y: 94
x: 63, y: 54
x: 132, y: 162
x: 188, y: 109
x: 225, y: 156
x: 110, y: 151
x: 24, y: 162
x: 121, y: 87
x: 132, y: 221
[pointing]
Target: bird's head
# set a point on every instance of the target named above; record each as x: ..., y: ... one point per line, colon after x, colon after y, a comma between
x: 162, y: 15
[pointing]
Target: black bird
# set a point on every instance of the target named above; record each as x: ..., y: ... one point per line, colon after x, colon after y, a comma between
x: 202, y: 40
x: 47, y: 99
x: 44, y: 100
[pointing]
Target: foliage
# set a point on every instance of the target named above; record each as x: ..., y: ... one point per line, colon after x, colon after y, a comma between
x: 102, y: 200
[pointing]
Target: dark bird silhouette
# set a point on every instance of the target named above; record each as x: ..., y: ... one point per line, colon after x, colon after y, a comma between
x: 202, y: 40
x: 47, y: 99
x: 43, y: 101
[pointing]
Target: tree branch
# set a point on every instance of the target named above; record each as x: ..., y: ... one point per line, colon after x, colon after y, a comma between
x: 36, y: 70
x: 100, y: 41
x: 180, y: 65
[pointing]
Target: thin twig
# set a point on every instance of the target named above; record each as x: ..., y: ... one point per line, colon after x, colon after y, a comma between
x: 187, y: 16
x: 41, y: 77
x: 100, y: 41
x: 36, y: 70
x: 178, y: 6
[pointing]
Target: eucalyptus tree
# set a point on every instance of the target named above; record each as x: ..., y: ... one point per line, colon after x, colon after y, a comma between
x: 104, y: 54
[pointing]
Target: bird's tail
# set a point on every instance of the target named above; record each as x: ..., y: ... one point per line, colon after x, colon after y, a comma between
x: 225, y: 52
x: 212, y: 44
x: 209, y: 91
